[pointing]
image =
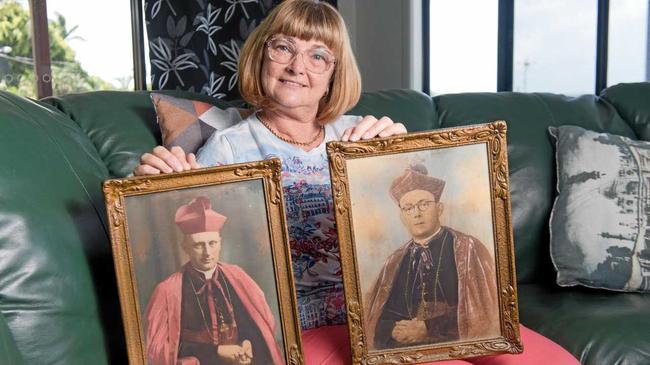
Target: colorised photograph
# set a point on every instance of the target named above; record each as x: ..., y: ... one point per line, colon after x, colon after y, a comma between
x: 420, y: 241
x: 207, y: 271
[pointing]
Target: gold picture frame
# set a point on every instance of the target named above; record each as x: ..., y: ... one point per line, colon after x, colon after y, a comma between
x: 389, y: 253
x: 148, y: 247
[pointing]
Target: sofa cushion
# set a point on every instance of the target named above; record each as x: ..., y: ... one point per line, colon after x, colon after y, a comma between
x: 530, y: 157
x: 413, y: 108
x: 55, y: 259
x: 538, y: 350
x: 189, y: 123
x: 122, y: 125
x: 599, y: 219
x: 598, y: 327
x: 632, y: 101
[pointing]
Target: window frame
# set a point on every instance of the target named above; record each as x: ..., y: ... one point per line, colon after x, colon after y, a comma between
x: 505, y: 39
x: 41, y: 47
x: 41, y: 50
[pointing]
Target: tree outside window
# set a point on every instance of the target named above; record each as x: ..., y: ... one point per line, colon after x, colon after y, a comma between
x: 17, y: 63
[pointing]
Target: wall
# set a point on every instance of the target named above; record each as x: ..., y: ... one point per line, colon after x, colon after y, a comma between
x: 387, y: 41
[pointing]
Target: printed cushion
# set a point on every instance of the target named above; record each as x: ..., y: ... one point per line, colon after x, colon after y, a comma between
x: 189, y: 123
x: 600, y: 229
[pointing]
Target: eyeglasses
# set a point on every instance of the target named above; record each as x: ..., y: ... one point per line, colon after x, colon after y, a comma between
x: 422, y: 205
x: 282, y: 50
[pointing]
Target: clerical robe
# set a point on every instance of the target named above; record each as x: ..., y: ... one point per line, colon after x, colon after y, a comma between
x: 164, y: 327
x: 476, y: 302
x: 425, y: 288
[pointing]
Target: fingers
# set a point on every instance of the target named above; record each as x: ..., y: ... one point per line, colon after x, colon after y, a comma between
x: 371, y: 127
x: 346, y: 134
x: 393, y: 130
x: 398, y: 329
x: 377, y: 127
x: 168, y: 158
x: 247, y: 347
x: 155, y: 162
x: 362, y: 127
x: 191, y: 159
x: 398, y: 334
x: 401, y: 325
x: 403, y: 331
x: 245, y: 355
x: 180, y: 156
x: 145, y: 170
x: 162, y: 160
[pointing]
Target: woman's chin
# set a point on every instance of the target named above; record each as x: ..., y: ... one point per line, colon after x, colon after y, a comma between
x: 294, y: 102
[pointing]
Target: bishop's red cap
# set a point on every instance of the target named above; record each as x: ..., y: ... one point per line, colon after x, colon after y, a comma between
x: 198, y: 216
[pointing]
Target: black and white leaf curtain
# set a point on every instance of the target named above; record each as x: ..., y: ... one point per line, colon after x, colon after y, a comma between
x: 194, y: 45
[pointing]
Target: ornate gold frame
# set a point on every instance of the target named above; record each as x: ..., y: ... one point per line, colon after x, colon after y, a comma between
x: 492, y: 134
x: 269, y: 171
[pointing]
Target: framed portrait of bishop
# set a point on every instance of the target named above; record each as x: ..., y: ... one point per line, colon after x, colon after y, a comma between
x: 427, y: 251
x: 203, y: 267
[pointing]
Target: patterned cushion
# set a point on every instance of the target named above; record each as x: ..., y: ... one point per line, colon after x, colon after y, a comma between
x: 600, y: 226
x: 189, y: 123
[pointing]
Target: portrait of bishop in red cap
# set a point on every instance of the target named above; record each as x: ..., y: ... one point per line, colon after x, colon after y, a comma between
x: 209, y: 312
x: 440, y: 285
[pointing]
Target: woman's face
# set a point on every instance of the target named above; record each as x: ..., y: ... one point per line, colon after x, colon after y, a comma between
x: 292, y: 85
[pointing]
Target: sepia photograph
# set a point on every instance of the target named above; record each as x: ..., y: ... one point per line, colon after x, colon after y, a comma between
x: 418, y: 218
x: 203, y: 266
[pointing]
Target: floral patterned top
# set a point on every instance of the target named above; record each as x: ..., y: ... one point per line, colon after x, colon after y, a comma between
x: 309, y: 209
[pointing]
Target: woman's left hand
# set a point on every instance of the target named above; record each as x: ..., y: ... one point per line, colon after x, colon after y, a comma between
x: 371, y: 127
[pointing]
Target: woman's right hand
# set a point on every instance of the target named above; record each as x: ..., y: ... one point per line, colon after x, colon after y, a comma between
x: 162, y: 160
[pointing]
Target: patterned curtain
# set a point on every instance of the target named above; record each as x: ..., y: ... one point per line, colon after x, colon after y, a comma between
x: 194, y: 44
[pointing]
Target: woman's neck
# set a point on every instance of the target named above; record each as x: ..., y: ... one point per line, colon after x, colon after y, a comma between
x: 299, y: 127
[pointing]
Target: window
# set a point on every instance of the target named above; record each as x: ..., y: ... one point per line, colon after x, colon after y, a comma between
x: 555, y: 46
x: 628, y: 42
x: 16, y: 62
x: 90, y: 46
x: 463, y: 48
x: 79, y: 46
x: 568, y: 47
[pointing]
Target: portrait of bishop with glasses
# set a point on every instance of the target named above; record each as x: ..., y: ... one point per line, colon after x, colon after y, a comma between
x: 437, y: 287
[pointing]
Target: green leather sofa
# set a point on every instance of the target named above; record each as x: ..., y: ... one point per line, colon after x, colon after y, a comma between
x: 58, y: 293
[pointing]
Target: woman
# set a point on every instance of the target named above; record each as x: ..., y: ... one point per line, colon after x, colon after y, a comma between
x: 298, y: 72
x: 300, y: 76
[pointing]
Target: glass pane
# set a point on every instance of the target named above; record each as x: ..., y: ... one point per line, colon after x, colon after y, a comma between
x: 463, y: 46
x: 90, y: 45
x: 628, y: 42
x: 555, y: 46
x: 16, y: 65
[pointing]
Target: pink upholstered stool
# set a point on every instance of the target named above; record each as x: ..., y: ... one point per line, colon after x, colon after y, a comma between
x: 330, y: 346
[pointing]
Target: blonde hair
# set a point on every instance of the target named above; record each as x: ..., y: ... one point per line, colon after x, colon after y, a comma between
x: 307, y: 20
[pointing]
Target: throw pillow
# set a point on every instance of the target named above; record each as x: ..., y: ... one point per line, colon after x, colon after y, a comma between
x: 189, y: 123
x: 600, y: 223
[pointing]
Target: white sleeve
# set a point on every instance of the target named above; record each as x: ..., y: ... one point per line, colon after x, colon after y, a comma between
x: 344, y: 122
x: 216, y: 151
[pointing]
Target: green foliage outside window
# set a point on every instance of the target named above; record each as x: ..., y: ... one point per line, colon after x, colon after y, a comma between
x: 16, y: 65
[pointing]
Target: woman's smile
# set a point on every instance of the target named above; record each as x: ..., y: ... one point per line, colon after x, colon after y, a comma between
x: 291, y: 83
